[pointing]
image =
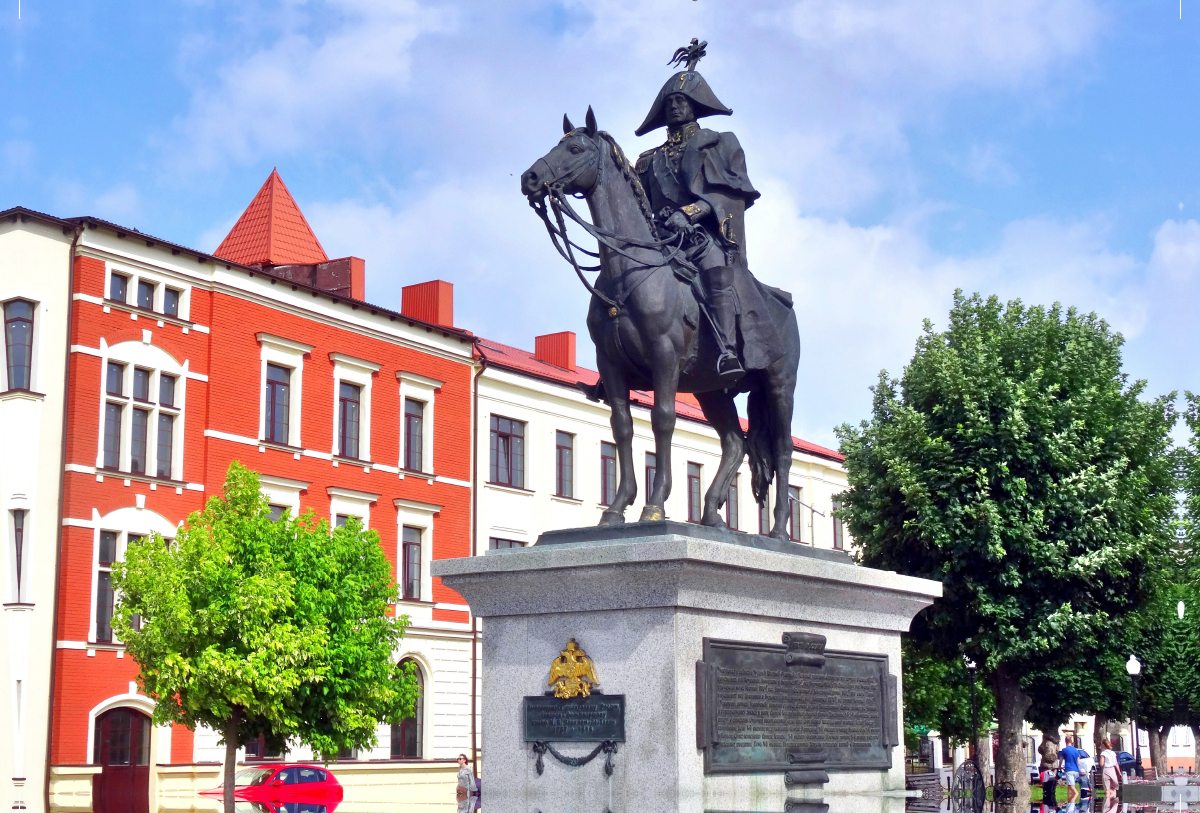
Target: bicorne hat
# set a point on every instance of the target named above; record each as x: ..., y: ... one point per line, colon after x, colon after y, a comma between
x: 692, y: 85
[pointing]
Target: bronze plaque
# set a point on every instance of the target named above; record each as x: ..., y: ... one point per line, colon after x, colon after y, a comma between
x: 794, y: 708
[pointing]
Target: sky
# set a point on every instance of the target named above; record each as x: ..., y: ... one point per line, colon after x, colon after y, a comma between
x: 1046, y: 150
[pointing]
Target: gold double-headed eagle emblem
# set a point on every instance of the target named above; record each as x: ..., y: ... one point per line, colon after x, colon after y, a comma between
x: 572, y: 673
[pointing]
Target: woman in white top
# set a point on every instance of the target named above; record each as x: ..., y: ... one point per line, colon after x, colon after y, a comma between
x: 1110, y: 770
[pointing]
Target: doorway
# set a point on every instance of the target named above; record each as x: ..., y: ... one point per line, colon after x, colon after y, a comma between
x: 122, y: 750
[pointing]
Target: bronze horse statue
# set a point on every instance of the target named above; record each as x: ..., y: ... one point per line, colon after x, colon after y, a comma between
x: 651, y: 331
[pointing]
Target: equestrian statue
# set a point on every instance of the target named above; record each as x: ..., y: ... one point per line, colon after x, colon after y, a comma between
x: 675, y: 307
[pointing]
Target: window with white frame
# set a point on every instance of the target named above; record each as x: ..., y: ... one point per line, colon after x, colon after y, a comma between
x: 417, y: 395
x: 154, y: 293
x: 282, y: 493
x: 345, y: 503
x: 19, y: 556
x: 282, y: 378
x: 415, y: 542
x: 115, y: 533
x: 352, y: 378
x: 141, y: 412
x: 18, y: 315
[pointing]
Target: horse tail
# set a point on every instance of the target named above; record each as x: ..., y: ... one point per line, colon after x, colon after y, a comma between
x: 760, y: 440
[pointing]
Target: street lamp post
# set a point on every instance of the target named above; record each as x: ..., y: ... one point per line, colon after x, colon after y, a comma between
x: 1134, y: 667
x: 974, y: 712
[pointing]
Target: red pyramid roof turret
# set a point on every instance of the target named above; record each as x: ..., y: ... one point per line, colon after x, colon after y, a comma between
x: 272, y: 231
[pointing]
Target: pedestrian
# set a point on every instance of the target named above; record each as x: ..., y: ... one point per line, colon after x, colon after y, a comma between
x: 1110, y: 770
x: 1048, y: 764
x: 1069, y: 757
x: 466, y: 785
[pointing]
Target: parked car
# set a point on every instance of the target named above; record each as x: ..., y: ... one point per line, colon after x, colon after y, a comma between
x: 1126, y: 763
x: 285, y: 788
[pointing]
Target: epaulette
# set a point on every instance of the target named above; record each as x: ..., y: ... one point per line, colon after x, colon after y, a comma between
x: 643, y: 161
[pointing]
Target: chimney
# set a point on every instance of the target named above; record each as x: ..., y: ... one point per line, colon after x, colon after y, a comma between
x: 556, y: 348
x: 431, y: 301
x: 345, y: 276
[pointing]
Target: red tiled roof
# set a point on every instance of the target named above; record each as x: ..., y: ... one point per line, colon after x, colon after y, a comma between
x: 686, y: 405
x: 272, y: 231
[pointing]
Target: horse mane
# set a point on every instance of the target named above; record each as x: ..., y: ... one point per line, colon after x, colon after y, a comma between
x: 631, y: 178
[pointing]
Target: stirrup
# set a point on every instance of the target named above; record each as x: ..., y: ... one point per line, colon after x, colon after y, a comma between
x: 728, y: 366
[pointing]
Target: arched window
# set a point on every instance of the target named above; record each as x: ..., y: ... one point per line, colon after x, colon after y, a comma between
x: 406, y: 737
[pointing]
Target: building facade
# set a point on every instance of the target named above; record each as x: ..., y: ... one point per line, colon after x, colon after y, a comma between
x: 180, y: 362
x: 548, y: 461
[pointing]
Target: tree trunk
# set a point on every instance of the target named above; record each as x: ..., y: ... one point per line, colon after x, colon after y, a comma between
x: 983, y: 754
x: 1011, y: 706
x: 1158, y: 748
x: 231, y: 746
x: 1099, y: 733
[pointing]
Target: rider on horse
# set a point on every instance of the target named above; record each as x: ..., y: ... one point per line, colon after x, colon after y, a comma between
x: 697, y: 184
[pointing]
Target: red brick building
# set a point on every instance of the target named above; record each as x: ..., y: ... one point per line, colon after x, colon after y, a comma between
x: 177, y: 363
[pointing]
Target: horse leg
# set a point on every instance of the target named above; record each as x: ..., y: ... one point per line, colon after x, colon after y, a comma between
x: 621, y: 420
x: 665, y: 363
x: 721, y: 412
x: 780, y: 399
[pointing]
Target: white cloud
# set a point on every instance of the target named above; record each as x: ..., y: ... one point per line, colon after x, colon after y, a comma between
x: 304, y: 88
x: 943, y: 44
x: 120, y: 204
x: 983, y: 164
x: 1177, y: 250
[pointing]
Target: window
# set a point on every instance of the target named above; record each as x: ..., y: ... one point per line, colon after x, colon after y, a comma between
x: 693, y: 492
x: 166, y: 390
x: 18, y: 343
x: 608, y: 472
x: 166, y: 443
x: 344, y: 753
x: 112, y: 436
x: 508, y: 452
x: 839, y: 542
x: 495, y: 543
x: 171, y: 302
x: 278, y: 403
x: 412, y: 563
x: 141, y: 384
x: 564, y: 464
x: 259, y: 749
x: 731, y: 505
x: 118, y: 286
x: 348, y: 406
x: 115, y: 381
x: 406, y: 737
x: 18, y: 537
x: 794, y: 515
x: 145, y: 295
x: 276, y: 512
x: 414, y: 434
x: 104, y: 591
x: 340, y: 520
x: 137, y: 446
x: 651, y: 468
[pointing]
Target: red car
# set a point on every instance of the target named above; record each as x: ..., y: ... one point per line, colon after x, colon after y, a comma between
x: 284, y: 789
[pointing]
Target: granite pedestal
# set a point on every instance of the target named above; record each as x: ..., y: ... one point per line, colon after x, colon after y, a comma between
x: 640, y: 600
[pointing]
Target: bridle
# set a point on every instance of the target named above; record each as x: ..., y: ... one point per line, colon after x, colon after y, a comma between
x: 552, y: 190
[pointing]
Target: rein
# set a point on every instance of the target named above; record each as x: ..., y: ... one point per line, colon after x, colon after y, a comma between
x: 614, y: 242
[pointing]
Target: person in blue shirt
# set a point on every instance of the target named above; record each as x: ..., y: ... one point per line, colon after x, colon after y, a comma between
x: 1069, y: 760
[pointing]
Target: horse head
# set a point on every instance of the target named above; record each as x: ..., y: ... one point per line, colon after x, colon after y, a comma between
x: 573, y: 166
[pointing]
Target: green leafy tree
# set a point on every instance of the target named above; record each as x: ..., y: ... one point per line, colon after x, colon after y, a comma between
x: 937, y: 697
x: 1016, y: 464
x: 258, y: 627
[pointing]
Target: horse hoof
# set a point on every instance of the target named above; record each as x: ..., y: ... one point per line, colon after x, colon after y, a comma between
x: 714, y: 522
x: 653, y: 513
x: 612, y: 518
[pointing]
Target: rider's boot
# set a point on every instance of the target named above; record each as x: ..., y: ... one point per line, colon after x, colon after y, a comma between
x: 722, y: 302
